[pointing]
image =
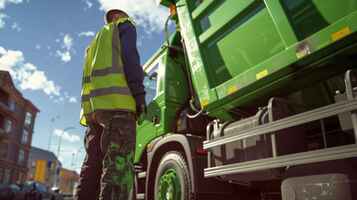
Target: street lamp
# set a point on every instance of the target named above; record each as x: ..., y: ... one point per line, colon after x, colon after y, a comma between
x: 56, y: 179
x: 60, y: 139
x: 53, y: 119
x: 75, y: 156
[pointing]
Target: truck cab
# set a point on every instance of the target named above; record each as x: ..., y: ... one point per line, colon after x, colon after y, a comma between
x: 251, y: 100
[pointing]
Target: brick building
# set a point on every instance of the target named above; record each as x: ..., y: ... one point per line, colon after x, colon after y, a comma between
x: 68, y: 181
x: 17, y: 118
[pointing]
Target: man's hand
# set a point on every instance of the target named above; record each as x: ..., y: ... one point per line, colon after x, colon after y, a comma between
x: 140, y: 109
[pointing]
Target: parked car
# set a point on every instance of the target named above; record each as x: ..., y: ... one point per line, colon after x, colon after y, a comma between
x: 57, y: 194
x: 37, y: 191
x: 9, y: 191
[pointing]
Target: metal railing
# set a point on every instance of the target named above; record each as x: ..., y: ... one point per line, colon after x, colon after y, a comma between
x: 276, y: 161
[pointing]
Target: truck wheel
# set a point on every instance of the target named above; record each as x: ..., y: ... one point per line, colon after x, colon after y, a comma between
x: 172, y: 180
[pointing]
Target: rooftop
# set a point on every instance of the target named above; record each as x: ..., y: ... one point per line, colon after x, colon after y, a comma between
x: 42, y: 154
x: 6, y: 77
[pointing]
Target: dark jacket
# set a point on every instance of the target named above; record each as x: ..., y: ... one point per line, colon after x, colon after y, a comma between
x: 133, y: 71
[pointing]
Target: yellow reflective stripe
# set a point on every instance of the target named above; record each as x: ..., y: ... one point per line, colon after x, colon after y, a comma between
x: 109, y: 81
x: 86, y: 88
x: 85, y: 98
x: 86, y: 79
x: 86, y: 107
x: 114, y: 102
x: 110, y: 90
x: 83, y: 121
x: 85, y: 110
x: 106, y: 71
x: 106, y: 91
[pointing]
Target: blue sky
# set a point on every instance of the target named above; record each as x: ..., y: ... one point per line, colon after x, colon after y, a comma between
x: 42, y: 44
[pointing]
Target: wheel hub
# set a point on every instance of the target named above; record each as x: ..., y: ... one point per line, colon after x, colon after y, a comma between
x: 169, y: 186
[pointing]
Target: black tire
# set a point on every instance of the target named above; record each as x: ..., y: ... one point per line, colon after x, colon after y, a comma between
x: 39, y: 197
x: 174, y: 160
x: 12, y: 196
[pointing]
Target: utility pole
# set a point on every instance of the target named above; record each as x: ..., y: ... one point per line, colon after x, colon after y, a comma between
x: 73, y: 157
x: 53, y: 119
x: 56, y: 179
x: 76, y: 156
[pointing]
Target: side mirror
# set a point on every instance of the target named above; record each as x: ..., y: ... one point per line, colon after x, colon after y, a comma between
x: 153, y: 76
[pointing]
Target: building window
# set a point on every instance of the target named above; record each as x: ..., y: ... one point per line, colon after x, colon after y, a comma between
x: 3, y: 151
x: 7, y: 176
x: 4, y: 97
x: 21, y: 157
x: 12, y: 105
x: 21, y: 177
x: 25, y: 136
x: 7, y: 125
x: 28, y: 119
x: 1, y: 174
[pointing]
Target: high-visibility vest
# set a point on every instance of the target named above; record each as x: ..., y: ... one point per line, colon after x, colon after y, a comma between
x: 104, y: 86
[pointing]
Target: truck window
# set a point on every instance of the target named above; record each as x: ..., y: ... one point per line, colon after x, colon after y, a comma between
x: 150, y: 83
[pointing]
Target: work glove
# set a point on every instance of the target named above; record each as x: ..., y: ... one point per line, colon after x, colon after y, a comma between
x: 140, y: 105
x: 141, y: 109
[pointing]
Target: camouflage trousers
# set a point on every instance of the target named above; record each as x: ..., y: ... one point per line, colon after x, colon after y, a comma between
x: 113, y: 178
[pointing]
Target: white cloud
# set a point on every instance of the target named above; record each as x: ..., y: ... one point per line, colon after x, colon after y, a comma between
x: 2, y: 20
x: 10, y: 58
x: 146, y: 13
x: 64, y: 55
x: 69, y: 98
x: 26, y: 74
x: 15, y: 26
x: 38, y: 47
x: 28, y: 77
x: 86, y: 34
x: 67, y: 44
x: 3, y: 3
x: 72, y: 100
x: 34, y: 79
x: 66, y: 135
x: 88, y: 3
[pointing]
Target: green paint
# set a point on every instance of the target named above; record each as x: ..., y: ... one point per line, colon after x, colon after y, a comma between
x: 120, y: 163
x: 114, y: 146
x: 169, y: 186
x: 251, y: 45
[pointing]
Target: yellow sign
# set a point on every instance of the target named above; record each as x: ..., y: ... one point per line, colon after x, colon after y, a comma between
x: 232, y: 89
x: 341, y: 33
x: 262, y: 74
x: 40, y: 171
x: 204, y: 103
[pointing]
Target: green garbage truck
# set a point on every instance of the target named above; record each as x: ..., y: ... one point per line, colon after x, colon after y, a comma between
x: 251, y: 100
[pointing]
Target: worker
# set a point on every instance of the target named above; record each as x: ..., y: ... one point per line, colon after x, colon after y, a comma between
x: 113, y: 97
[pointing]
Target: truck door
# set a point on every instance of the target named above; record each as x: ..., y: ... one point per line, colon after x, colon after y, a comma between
x: 147, y: 124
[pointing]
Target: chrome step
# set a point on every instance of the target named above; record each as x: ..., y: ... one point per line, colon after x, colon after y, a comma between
x: 140, y: 196
x: 142, y: 175
x: 295, y: 120
x: 328, y: 154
